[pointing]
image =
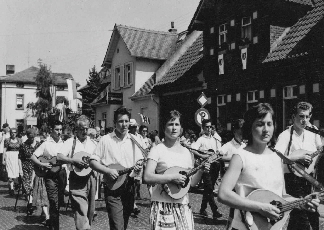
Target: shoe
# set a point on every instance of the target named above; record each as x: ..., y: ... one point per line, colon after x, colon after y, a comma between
x: 217, y: 215
x: 94, y: 216
x: 30, y: 209
x: 203, y: 213
x: 11, y: 192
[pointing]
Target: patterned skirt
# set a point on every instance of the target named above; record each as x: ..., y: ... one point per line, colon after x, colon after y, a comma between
x: 171, y: 216
x: 39, y: 192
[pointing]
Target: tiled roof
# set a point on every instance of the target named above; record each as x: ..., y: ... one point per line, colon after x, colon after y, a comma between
x: 29, y: 76
x: 188, y: 54
x: 296, y: 33
x: 303, y: 2
x: 142, y: 43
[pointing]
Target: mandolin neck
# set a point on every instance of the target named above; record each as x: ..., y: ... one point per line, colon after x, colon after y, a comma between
x: 294, y: 204
x: 125, y: 171
x: 314, y: 154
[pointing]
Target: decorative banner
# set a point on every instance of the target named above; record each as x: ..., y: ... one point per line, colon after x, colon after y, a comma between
x: 53, y: 94
x: 244, y: 57
x: 221, y: 64
x: 145, y: 119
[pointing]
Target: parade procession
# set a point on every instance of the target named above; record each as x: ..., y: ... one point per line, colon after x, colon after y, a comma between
x: 162, y: 115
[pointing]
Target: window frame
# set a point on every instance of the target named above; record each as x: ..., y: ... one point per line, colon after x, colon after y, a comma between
x: 222, y: 33
x: 223, y: 100
x: 293, y: 87
x: 117, y: 81
x: 244, y: 27
x: 23, y: 99
x: 253, y: 97
x: 128, y: 82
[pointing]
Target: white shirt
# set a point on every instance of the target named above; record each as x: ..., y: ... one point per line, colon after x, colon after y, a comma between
x: 165, y: 159
x: 49, y: 147
x: 145, y: 141
x: 87, y: 146
x: 113, y: 150
x: 259, y: 171
x: 307, y: 140
x: 230, y: 148
x: 205, y: 143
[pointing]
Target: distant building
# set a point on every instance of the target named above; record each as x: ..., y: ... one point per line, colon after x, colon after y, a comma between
x: 133, y: 56
x: 18, y: 89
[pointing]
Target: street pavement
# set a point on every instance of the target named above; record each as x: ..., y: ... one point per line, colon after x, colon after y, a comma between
x: 18, y: 220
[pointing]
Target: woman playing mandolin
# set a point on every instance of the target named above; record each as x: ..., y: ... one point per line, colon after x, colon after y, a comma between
x: 255, y: 167
x: 167, y: 212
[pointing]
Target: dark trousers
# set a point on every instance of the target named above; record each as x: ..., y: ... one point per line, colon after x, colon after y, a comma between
x: 120, y: 204
x: 300, y: 219
x: 55, y: 184
x: 209, y: 182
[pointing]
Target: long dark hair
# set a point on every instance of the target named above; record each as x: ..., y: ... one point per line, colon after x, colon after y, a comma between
x: 256, y: 112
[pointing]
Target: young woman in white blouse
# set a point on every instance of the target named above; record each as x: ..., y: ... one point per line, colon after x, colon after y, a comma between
x: 167, y: 212
x: 255, y: 167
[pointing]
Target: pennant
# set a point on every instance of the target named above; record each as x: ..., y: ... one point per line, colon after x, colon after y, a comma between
x: 244, y: 57
x: 71, y: 89
x: 53, y: 94
x: 145, y: 119
x: 221, y: 64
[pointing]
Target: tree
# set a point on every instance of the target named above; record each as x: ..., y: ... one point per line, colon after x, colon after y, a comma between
x: 90, y: 92
x: 42, y: 108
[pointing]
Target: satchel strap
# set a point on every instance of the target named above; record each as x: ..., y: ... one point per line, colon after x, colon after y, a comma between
x: 73, y: 147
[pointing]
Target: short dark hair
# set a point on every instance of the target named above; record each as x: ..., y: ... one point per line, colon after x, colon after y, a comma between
x: 302, y: 105
x: 237, y: 124
x: 121, y: 111
x: 55, y: 123
x: 142, y: 127
x: 5, y: 125
x: 205, y: 121
x: 256, y: 112
x: 174, y: 114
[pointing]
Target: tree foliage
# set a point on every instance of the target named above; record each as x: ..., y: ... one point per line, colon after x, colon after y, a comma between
x: 91, y: 92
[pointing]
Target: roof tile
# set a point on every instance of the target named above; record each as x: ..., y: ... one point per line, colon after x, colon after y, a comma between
x: 296, y: 34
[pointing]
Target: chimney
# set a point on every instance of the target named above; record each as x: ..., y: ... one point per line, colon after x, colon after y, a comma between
x: 10, y: 69
x: 172, y: 30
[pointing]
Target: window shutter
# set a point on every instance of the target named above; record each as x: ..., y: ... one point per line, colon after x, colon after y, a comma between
x: 121, y: 76
x: 112, y: 79
x: 131, y: 74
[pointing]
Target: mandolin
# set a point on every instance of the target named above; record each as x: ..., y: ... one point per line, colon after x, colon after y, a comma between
x: 86, y: 158
x: 42, y: 171
x: 308, y: 167
x: 122, y: 175
x: 258, y: 222
x: 177, y: 191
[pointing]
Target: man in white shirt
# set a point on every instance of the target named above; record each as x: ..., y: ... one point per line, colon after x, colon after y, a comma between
x: 54, y: 182
x: 230, y: 147
x: 205, y: 143
x: 82, y: 188
x: 292, y: 139
x: 118, y: 148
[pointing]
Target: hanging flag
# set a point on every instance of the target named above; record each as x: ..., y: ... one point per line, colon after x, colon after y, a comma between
x: 244, y: 57
x: 145, y: 119
x: 53, y: 95
x: 221, y: 64
x: 71, y: 89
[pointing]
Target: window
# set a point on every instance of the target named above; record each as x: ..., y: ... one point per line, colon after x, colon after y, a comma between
x: 19, y: 101
x: 290, y: 92
x: 221, y: 100
x: 20, y: 85
x: 229, y: 98
x: 238, y: 97
x: 302, y: 89
x: 59, y: 88
x: 251, y: 96
x: 211, y: 30
x: 272, y: 92
x: 117, y: 78
x: 261, y: 94
x: 104, y: 116
x: 246, y: 28
x: 222, y: 33
x: 315, y: 88
x: 128, y: 76
x: 211, y: 52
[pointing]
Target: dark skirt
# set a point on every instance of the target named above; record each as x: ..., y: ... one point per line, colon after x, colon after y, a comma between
x: 39, y: 192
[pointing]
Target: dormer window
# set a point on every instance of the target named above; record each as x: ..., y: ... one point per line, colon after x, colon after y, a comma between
x: 222, y: 34
x: 246, y: 28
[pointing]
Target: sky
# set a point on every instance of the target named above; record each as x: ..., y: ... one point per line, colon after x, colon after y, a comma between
x: 72, y: 36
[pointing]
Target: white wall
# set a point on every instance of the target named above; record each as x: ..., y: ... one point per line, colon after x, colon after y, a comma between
x: 9, y: 91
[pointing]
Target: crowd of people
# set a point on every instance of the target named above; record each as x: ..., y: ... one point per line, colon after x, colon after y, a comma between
x: 128, y: 155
